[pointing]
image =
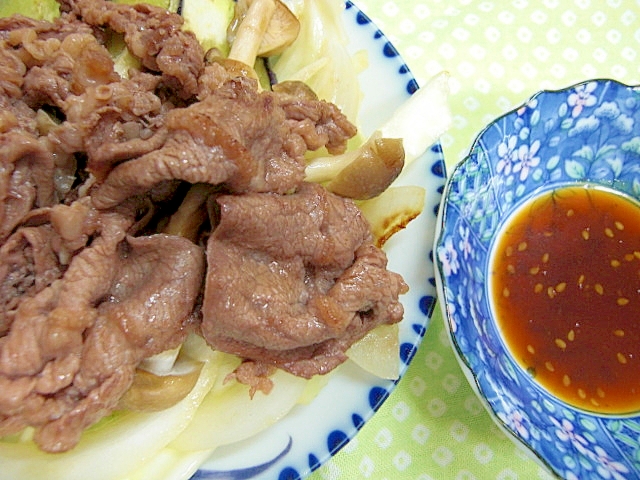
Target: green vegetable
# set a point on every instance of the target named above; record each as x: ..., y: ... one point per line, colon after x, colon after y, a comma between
x: 39, y: 9
x: 208, y: 20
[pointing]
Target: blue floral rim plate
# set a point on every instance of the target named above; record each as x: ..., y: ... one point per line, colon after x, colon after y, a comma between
x: 588, y: 133
x: 311, y: 434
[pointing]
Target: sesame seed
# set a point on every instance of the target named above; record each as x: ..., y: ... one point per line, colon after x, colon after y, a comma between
x: 534, y: 270
x: 598, y: 288
x: 522, y: 246
x: 581, y: 279
x: 615, y: 263
x: 570, y: 212
x: 538, y: 288
x: 621, y: 358
x: 636, y: 254
x: 560, y: 343
x: 545, y: 258
x: 561, y: 287
x: 618, y: 333
x: 530, y: 349
x: 629, y: 257
x: 582, y: 394
x: 551, y: 292
x: 511, y: 269
x: 547, y: 234
x: 600, y: 392
x: 594, y: 402
x: 566, y: 381
x: 508, y: 251
x: 571, y: 336
x: 549, y: 366
x: 619, y: 225
x: 622, y: 301
x: 506, y: 293
x: 608, y: 232
x: 585, y: 234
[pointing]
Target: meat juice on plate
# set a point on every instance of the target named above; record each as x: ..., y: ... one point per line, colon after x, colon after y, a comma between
x: 565, y: 292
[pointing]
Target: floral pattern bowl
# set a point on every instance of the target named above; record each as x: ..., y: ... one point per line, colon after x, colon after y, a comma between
x: 588, y: 133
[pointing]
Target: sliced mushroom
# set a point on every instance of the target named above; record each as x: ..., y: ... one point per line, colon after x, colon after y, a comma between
x: 152, y: 393
x: 379, y: 162
x: 261, y: 28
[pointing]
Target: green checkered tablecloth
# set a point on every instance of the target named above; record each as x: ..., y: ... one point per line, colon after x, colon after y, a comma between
x: 499, y: 53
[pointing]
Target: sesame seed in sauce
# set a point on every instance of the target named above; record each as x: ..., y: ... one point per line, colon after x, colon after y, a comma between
x: 599, y: 289
x: 622, y: 301
x: 621, y: 358
x: 571, y: 336
x: 608, y: 232
x: 585, y: 234
x: 566, y: 381
x: 560, y: 343
x: 619, y: 225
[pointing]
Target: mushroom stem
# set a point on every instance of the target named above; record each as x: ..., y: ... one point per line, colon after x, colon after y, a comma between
x: 251, y: 31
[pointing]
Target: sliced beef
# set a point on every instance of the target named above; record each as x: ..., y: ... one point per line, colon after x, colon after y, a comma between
x: 73, y: 348
x: 236, y: 136
x: 26, y: 178
x: 113, y: 123
x: 152, y: 34
x: 294, y: 280
x: 28, y: 264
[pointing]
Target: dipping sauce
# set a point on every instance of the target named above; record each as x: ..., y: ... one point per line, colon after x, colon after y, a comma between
x: 565, y: 289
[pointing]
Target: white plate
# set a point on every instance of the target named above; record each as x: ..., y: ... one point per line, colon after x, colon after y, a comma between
x: 311, y: 434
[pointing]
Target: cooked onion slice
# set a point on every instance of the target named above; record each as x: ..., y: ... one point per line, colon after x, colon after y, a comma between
x: 377, y: 352
x: 228, y: 414
x: 391, y: 211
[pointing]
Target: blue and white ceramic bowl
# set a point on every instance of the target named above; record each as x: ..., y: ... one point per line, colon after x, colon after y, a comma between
x: 588, y: 133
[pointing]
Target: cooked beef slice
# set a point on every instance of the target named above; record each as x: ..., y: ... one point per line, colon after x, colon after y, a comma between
x: 72, y: 348
x: 293, y: 280
x: 152, y: 34
x: 28, y: 264
x: 26, y: 178
x: 236, y: 136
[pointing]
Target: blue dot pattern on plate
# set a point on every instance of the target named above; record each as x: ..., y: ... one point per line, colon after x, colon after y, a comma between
x: 588, y: 133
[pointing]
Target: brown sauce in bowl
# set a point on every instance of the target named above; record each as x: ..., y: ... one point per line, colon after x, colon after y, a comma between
x: 565, y: 290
